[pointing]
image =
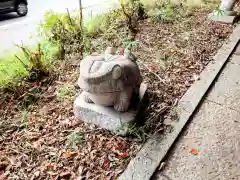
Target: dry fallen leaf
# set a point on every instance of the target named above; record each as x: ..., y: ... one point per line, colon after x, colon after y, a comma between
x: 3, y: 177
x: 70, y: 123
x: 49, y: 167
x: 65, y: 174
x: 35, y: 175
x: 37, y: 145
x: 3, y: 165
x: 125, y: 155
x: 44, y: 111
x: 195, y: 151
x: 80, y: 170
x: 68, y: 154
x: 107, y: 163
x: 30, y: 118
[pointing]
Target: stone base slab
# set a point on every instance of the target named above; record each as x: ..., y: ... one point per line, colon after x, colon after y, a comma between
x: 223, y: 16
x: 107, y: 117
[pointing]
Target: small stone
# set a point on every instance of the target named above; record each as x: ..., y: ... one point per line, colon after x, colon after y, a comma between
x: 168, y: 122
x: 196, y: 77
x: 44, y: 111
x: 37, y: 174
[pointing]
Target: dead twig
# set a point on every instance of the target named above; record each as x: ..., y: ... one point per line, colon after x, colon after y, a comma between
x: 155, y: 74
x: 129, y: 17
x: 81, y: 28
x: 69, y: 17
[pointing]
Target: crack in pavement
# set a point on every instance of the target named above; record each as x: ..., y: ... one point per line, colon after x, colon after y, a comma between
x: 220, y: 104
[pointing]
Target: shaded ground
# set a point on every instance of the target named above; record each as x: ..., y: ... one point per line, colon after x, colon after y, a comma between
x: 45, y: 141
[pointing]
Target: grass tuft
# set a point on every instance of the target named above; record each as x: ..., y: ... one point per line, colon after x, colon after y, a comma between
x: 66, y: 92
x: 13, y: 66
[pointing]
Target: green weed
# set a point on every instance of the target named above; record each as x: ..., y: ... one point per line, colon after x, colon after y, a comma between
x: 74, y: 138
x: 66, y: 92
x: 12, y: 69
x: 164, y: 12
x: 138, y: 131
x: 96, y: 25
x: 130, y: 44
x: 24, y: 119
x: 62, y: 29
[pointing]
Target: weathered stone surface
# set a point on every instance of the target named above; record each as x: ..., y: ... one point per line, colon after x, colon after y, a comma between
x: 110, y: 79
x: 237, y: 52
x: 215, y: 132
x: 107, y: 117
x: 222, y: 18
x: 226, y: 91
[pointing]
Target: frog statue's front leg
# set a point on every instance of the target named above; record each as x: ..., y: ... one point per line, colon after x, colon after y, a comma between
x: 87, y: 97
x: 123, y: 100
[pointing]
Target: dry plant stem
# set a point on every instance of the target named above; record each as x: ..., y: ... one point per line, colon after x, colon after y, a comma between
x: 155, y: 74
x: 129, y: 17
x: 81, y: 27
x: 70, y: 19
x: 20, y: 60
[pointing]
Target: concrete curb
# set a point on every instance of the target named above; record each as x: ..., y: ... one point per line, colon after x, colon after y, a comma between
x: 152, y: 154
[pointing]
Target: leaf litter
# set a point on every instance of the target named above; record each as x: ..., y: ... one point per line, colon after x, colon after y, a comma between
x: 47, y: 142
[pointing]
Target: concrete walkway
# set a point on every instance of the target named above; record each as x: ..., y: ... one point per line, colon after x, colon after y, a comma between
x: 209, y: 149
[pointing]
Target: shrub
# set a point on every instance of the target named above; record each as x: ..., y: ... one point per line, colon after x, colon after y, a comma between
x: 62, y: 29
x: 98, y: 32
x: 97, y: 25
x: 164, y: 14
x: 17, y: 65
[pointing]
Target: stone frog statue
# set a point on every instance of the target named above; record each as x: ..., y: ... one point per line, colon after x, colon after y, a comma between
x: 110, y: 79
